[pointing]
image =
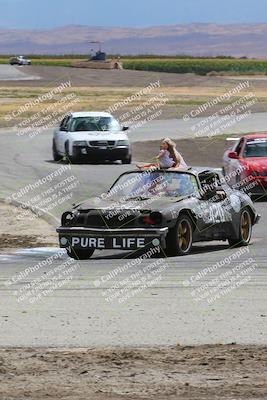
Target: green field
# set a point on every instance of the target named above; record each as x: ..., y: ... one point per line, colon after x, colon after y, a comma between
x: 200, y: 66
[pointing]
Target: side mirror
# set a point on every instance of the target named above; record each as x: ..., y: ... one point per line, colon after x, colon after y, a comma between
x: 233, y: 154
x: 63, y: 129
x: 125, y: 128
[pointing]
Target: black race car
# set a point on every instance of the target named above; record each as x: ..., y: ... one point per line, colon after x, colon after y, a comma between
x: 166, y: 208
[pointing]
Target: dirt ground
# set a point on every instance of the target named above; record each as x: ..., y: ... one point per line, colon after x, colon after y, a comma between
x: 23, y: 231
x: 182, y: 372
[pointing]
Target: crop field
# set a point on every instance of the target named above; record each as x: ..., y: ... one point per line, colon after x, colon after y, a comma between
x: 200, y: 66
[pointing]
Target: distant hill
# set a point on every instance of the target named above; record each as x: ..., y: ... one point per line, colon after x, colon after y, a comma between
x: 194, y: 39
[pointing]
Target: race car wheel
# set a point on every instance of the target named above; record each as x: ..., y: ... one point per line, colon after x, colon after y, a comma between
x: 245, y: 230
x: 80, y: 254
x: 56, y: 156
x: 127, y: 160
x: 179, y: 240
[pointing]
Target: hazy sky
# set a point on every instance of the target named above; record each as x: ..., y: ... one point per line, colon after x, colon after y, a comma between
x: 51, y: 13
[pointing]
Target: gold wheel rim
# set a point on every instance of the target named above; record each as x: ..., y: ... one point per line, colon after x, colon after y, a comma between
x: 184, y: 235
x: 245, y: 225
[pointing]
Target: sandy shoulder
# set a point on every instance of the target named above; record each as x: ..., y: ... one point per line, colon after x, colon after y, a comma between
x: 181, y: 372
x: 18, y: 229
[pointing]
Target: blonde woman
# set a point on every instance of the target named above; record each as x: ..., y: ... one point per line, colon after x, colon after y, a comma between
x: 168, y: 157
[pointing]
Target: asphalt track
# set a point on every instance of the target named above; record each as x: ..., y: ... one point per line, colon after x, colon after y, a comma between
x: 77, y: 313
x: 187, y: 128
x: 11, y: 73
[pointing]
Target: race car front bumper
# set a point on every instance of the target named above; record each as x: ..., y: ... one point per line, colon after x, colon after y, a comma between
x: 116, y: 239
x: 98, y: 153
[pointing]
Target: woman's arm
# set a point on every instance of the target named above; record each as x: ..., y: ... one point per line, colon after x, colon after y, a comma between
x: 161, y: 154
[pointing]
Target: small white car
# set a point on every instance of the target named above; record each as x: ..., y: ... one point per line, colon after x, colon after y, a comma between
x: 91, y: 136
x: 20, y: 60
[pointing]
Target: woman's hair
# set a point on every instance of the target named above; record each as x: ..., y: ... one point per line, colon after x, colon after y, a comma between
x: 172, y: 149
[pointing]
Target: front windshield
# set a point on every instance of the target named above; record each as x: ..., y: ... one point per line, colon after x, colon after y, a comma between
x: 158, y: 183
x: 94, y: 124
x: 256, y: 148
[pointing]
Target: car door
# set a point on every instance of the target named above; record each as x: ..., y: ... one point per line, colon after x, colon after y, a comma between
x: 213, y: 205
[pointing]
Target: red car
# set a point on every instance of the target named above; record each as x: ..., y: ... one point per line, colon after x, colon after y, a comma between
x: 245, y: 164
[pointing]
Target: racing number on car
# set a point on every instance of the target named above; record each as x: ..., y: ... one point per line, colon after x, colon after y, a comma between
x: 218, y: 214
x: 211, y: 213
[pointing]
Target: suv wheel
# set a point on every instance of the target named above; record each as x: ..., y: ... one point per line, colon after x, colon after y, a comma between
x: 70, y: 159
x: 56, y: 155
x: 127, y: 159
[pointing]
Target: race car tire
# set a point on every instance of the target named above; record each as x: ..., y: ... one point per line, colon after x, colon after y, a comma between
x: 80, y: 254
x: 127, y: 160
x: 179, y: 239
x: 245, y: 230
x: 56, y: 155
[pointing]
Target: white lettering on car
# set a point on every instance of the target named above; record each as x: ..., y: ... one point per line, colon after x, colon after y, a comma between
x: 100, y: 243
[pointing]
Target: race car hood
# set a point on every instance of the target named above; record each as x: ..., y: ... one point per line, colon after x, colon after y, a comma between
x: 96, y: 135
x: 152, y: 203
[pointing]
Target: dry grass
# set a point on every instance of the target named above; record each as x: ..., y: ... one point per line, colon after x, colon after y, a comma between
x: 99, y: 98
x: 12, y: 98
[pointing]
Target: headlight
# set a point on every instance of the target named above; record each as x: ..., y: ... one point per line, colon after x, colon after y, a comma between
x: 80, y: 143
x: 123, y: 143
x: 66, y: 218
x: 153, y: 218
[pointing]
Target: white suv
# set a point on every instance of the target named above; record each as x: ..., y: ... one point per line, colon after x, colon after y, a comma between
x: 20, y: 60
x: 95, y: 136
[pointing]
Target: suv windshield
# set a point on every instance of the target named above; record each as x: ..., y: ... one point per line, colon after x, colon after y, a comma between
x: 158, y: 183
x: 256, y: 148
x: 94, y: 124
